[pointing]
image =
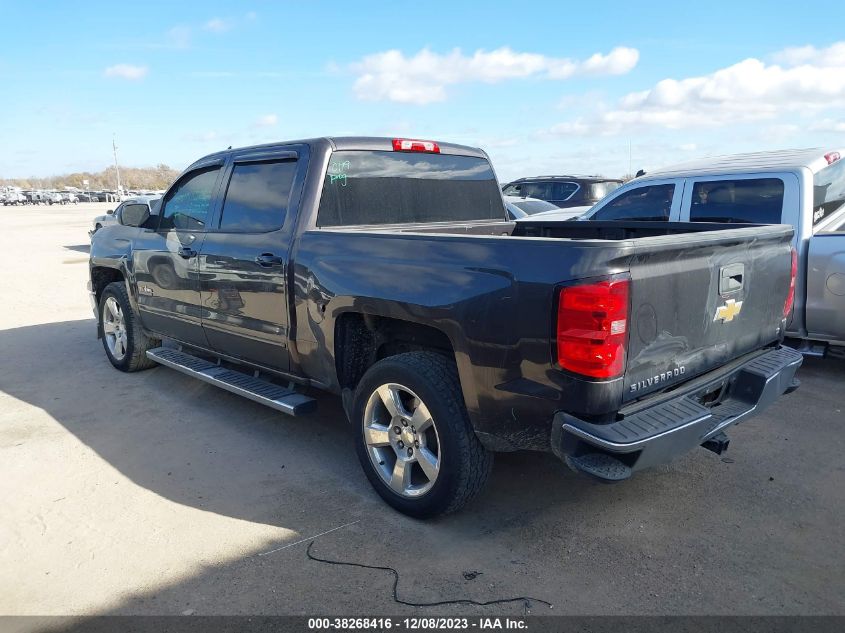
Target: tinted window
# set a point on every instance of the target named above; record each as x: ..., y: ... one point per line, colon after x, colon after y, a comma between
x: 257, y: 197
x: 756, y: 200
x: 513, y: 190
x: 828, y: 191
x: 188, y: 203
x: 540, y: 190
x: 368, y: 187
x: 644, y: 204
x: 563, y: 190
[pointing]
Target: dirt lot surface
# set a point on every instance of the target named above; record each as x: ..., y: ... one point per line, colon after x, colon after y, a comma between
x: 152, y: 493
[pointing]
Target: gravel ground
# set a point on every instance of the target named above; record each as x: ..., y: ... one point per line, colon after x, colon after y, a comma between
x: 153, y: 493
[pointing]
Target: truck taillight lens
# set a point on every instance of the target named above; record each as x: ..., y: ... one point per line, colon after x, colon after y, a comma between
x: 790, y: 296
x: 411, y: 145
x: 592, y: 328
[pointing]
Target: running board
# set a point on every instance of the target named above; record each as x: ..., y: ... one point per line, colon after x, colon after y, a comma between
x: 258, y: 390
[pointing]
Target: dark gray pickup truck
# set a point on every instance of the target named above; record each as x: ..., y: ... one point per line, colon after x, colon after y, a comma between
x: 383, y: 270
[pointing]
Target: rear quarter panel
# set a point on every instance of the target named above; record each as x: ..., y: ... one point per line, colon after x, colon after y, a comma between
x: 491, y: 296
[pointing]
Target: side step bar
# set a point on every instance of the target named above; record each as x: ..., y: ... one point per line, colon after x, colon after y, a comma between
x: 258, y: 390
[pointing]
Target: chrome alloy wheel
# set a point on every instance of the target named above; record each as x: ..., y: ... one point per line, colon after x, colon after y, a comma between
x: 402, y: 440
x: 114, y: 328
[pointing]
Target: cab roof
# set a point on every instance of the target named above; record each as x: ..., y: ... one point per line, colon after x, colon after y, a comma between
x: 779, y: 160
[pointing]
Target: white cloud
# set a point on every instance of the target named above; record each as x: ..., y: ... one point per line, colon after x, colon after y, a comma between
x: 217, y: 25
x: 127, y: 71
x: 422, y: 78
x: 179, y: 36
x: 807, y: 80
x: 268, y: 120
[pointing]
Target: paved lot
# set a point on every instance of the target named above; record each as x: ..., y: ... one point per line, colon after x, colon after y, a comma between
x: 153, y: 493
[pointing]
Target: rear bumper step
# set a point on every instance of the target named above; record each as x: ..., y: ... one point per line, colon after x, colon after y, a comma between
x: 258, y: 390
x: 657, y: 434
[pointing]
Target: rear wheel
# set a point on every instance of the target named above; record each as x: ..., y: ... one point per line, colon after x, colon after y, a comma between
x: 124, y: 340
x: 414, y: 438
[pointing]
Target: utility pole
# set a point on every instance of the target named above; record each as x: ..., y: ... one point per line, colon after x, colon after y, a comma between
x: 116, y: 168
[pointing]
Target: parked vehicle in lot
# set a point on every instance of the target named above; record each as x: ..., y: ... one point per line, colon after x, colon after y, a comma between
x: 563, y: 191
x: 12, y: 196
x: 804, y: 188
x: 448, y: 332
x: 115, y: 216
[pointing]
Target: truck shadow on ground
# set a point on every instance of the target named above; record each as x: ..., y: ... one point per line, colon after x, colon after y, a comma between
x: 201, y: 447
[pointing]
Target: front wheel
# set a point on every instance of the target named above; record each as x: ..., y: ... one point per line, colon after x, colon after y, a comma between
x: 124, y: 340
x: 414, y: 438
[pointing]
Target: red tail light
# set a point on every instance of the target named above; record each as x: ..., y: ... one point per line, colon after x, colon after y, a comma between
x: 831, y: 157
x: 592, y: 328
x: 409, y: 145
x: 790, y: 296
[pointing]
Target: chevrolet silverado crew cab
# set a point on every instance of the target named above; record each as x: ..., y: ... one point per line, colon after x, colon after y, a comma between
x: 803, y: 187
x: 384, y: 271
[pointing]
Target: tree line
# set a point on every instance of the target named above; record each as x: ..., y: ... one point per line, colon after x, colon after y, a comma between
x: 135, y: 178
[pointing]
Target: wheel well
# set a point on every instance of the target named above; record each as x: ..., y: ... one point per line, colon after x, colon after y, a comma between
x: 362, y: 339
x: 102, y: 277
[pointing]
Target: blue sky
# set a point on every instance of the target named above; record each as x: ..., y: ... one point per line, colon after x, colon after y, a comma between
x: 545, y: 87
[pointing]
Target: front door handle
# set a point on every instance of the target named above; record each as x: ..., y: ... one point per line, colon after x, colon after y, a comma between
x: 186, y: 252
x: 268, y: 259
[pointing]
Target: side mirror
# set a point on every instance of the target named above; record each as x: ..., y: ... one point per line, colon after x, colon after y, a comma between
x: 135, y: 215
x: 110, y: 212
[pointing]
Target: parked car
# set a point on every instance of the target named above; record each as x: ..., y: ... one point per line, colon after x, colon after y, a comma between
x: 115, y: 216
x: 804, y: 188
x: 448, y: 332
x: 563, y: 191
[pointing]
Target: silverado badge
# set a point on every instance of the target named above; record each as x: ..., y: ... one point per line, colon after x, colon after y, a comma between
x: 727, y: 312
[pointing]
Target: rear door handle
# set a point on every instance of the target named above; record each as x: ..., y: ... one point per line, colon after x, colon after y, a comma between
x: 268, y: 259
x: 187, y: 252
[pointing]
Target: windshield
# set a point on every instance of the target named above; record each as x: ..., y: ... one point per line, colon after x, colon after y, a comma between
x: 384, y: 187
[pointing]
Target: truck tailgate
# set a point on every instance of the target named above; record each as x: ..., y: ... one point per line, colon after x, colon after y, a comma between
x: 700, y: 300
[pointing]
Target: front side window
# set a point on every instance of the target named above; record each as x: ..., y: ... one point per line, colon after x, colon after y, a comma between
x: 257, y: 196
x: 383, y: 187
x: 539, y: 190
x: 828, y: 191
x: 751, y: 200
x: 644, y: 204
x: 188, y: 204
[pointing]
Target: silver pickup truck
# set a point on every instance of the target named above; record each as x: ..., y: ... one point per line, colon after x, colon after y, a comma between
x: 804, y: 188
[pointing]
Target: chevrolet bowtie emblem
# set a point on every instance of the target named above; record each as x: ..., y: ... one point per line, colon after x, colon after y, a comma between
x: 727, y: 312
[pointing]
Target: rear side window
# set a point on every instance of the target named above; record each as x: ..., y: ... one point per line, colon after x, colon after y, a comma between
x: 599, y: 190
x: 563, y: 190
x: 257, y: 196
x: 189, y: 202
x: 828, y: 191
x: 753, y: 200
x: 382, y: 187
x: 643, y: 204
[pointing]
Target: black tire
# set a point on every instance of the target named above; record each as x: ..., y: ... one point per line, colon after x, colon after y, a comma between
x: 137, y: 342
x: 465, y: 464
